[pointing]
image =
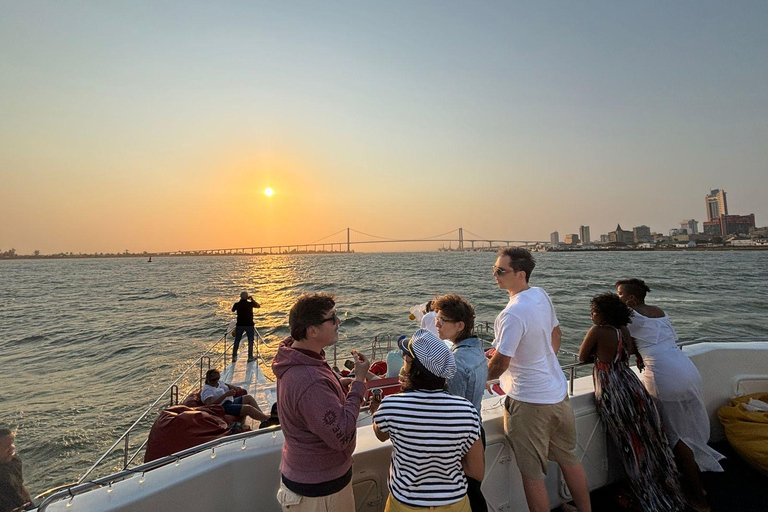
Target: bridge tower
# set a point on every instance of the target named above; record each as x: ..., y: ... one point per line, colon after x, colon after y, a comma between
x: 461, y: 239
x: 348, y: 240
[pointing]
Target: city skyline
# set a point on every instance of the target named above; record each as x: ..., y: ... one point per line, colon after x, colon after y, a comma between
x: 159, y: 127
x: 716, y: 205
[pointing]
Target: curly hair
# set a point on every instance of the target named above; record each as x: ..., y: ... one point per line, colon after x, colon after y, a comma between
x: 611, y: 310
x: 457, y: 309
x: 636, y: 287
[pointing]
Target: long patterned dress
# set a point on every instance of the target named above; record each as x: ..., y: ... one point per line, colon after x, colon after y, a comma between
x: 628, y: 412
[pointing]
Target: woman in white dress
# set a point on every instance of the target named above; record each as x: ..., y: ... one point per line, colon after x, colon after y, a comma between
x: 675, y: 385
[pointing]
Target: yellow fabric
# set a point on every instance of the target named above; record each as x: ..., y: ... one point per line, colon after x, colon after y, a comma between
x: 747, y: 431
x: 395, y: 506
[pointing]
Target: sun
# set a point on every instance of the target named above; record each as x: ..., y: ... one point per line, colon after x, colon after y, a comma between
x: 269, y: 192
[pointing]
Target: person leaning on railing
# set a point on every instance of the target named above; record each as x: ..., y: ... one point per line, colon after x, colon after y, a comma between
x: 675, y: 385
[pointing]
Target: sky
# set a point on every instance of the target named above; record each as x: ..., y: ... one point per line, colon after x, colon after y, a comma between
x: 156, y: 126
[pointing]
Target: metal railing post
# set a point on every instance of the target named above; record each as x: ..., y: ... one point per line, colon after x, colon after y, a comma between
x: 125, y: 451
x: 174, y: 395
x: 570, y: 381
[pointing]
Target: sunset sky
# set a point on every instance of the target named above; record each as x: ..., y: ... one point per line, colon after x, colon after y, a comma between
x: 157, y: 125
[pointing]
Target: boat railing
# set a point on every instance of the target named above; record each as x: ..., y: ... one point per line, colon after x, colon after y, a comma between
x: 71, y: 490
x: 218, y: 352
x: 81, y: 487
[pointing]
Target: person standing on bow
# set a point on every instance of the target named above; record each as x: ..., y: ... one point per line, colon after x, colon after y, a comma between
x: 455, y: 322
x: 13, y: 495
x: 538, y: 418
x: 318, y: 417
x: 245, y: 324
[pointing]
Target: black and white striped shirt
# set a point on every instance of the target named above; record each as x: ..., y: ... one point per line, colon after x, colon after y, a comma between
x: 431, y: 432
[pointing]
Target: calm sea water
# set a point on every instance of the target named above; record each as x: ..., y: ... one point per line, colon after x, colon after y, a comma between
x: 86, y: 345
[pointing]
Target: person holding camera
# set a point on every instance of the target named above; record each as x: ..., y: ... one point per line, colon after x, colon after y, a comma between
x: 244, y: 308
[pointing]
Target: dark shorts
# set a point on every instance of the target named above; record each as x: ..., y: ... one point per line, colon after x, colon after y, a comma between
x: 233, y: 407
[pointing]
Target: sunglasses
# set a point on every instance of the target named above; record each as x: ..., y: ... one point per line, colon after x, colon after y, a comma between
x: 333, y: 318
x: 498, y: 271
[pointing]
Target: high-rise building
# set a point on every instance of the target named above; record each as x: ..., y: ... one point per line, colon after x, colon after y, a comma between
x: 572, y: 239
x: 641, y: 234
x: 716, y: 204
x: 584, y: 234
x: 690, y: 226
x: 554, y: 238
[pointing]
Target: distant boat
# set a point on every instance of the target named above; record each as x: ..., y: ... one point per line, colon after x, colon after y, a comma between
x: 149, y: 260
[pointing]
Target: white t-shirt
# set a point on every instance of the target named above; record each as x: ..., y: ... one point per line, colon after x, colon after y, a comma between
x: 428, y: 322
x: 209, y: 391
x: 524, y: 332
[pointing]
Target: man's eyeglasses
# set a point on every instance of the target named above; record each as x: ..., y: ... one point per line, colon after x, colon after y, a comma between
x: 333, y: 318
x: 498, y: 271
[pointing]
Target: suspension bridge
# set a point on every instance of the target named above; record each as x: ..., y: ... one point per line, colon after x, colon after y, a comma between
x: 328, y: 244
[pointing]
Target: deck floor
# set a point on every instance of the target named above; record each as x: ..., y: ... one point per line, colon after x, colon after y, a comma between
x: 740, y: 488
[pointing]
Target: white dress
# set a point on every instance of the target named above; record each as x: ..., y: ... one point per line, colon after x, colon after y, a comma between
x: 675, y: 384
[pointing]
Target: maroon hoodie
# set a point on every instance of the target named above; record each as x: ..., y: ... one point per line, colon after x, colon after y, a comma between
x: 318, y: 419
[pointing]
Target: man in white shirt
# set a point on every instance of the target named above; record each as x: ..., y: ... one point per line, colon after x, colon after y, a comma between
x: 538, y: 418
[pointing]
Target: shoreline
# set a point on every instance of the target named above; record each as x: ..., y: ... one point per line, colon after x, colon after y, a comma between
x: 294, y: 253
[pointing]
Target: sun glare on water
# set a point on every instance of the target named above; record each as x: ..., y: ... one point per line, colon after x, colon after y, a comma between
x: 269, y: 192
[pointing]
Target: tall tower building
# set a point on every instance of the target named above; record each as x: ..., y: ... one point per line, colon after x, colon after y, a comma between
x: 716, y: 204
x: 584, y: 234
x: 554, y: 238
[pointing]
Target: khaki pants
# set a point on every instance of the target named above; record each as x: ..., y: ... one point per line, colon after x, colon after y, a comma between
x: 395, y: 506
x: 342, y: 501
x: 540, y: 432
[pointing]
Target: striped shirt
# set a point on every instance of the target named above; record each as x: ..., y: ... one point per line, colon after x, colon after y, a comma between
x: 431, y: 432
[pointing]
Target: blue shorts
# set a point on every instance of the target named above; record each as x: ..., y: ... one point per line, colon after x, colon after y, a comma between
x: 233, y: 407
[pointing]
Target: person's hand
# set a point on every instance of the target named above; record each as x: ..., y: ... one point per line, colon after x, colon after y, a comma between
x: 376, y: 398
x: 345, y: 383
x: 361, y: 365
x: 230, y: 392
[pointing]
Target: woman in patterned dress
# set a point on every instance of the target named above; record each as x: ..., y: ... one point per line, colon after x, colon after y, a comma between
x: 626, y: 409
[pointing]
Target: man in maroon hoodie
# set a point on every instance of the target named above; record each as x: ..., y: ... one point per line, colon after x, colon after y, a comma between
x: 318, y: 413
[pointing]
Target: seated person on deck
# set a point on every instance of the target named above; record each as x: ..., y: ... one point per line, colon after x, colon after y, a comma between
x: 216, y: 392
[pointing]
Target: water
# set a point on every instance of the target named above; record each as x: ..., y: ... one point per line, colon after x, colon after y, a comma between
x: 88, y: 344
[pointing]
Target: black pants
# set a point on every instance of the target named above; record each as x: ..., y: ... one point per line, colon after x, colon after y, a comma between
x: 474, y: 494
